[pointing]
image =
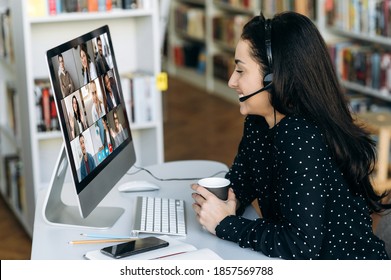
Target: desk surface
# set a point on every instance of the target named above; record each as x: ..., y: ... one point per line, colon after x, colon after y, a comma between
x: 51, y: 242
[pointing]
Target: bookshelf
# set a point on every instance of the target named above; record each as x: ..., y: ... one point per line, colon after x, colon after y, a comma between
x: 136, y: 40
x: 221, y: 22
x: 203, y: 35
x: 10, y: 126
x: 365, y: 29
x: 362, y: 56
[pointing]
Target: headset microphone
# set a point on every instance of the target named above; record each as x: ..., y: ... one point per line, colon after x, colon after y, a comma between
x: 244, y: 98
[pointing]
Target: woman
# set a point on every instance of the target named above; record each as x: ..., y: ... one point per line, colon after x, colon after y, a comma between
x: 88, y: 67
x: 76, y: 120
x: 301, y: 157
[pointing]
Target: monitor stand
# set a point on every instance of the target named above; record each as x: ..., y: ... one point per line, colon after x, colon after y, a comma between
x: 56, y: 212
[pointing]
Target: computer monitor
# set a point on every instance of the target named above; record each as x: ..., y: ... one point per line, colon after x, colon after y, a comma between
x: 98, y: 144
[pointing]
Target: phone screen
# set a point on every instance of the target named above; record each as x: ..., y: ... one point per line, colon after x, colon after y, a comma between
x: 134, y: 247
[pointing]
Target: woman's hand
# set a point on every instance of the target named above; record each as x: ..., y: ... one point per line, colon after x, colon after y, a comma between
x: 211, y: 210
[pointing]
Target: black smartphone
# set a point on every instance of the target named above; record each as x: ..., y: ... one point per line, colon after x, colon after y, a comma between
x: 134, y: 247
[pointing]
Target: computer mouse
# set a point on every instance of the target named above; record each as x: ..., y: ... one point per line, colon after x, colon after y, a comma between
x: 138, y: 186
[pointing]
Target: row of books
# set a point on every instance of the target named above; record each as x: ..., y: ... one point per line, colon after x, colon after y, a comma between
x: 228, y: 28
x: 37, y: 8
x: 140, y: 94
x: 191, y: 55
x: 241, y: 4
x: 305, y: 7
x: 45, y: 107
x: 364, y: 65
x: 371, y: 17
x: 6, y: 46
x: 190, y: 21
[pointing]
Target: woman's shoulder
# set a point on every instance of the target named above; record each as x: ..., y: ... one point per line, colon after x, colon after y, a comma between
x: 298, y: 125
x: 295, y: 122
x: 297, y: 134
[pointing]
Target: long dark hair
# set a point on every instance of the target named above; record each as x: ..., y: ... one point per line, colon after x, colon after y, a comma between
x: 83, y: 48
x: 76, y: 113
x: 305, y: 83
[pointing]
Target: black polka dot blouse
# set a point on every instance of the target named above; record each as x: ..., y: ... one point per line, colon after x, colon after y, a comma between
x: 308, y: 210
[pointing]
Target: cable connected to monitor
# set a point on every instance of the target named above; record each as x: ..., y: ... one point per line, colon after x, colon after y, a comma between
x: 170, y: 179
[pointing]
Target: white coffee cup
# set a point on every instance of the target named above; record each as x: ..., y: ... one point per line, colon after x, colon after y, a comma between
x: 216, y: 185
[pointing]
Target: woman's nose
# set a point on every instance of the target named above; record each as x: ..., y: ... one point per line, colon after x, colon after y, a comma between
x: 232, y: 81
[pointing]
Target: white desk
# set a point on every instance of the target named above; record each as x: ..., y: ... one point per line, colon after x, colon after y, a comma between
x: 51, y: 242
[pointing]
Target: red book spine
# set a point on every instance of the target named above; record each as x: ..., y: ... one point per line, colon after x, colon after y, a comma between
x: 46, y: 107
x: 52, y: 7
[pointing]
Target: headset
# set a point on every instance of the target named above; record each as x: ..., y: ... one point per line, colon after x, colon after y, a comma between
x: 268, y: 78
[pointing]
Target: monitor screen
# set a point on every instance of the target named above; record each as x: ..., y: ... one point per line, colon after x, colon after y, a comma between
x: 91, y: 110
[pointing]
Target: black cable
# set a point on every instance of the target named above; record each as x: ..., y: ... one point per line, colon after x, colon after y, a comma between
x: 169, y: 179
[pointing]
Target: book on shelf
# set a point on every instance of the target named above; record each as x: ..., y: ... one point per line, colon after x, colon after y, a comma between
x: 178, y: 55
x: 92, y: 5
x: 14, y: 181
x: 12, y: 108
x: 368, y: 17
x: 363, y: 64
x: 140, y: 93
x: 72, y: 6
x: 2, y: 36
x: 305, y: 7
x: 130, y: 4
x: 52, y: 7
x: 97, y: 5
x: 45, y: 108
x: 37, y: 8
x: 190, y: 21
x: 6, y: 40
x: 176, y: 250
x: 228, y: 28
x: 41, y: 8
x: 241, y: 4
x: 190, y: 55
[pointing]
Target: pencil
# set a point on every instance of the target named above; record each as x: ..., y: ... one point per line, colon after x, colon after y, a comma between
x: 169, y: 255
x: 94, y: 241
x: 108, y: 236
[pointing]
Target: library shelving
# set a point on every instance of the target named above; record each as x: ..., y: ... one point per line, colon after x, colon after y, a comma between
x: 363, y: 56
x: 203, y: 34
x: 136, y: 40
x: 10, y: 126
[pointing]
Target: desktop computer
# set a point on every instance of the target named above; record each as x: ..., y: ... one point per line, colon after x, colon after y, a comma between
x: 98, y: 146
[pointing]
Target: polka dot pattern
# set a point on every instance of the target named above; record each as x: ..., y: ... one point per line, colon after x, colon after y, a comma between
x: 308, y: 210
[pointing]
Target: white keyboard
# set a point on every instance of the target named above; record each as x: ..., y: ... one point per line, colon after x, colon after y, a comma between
x: 160, y: 215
